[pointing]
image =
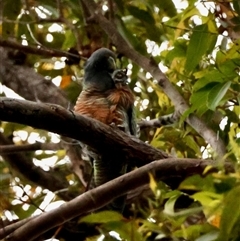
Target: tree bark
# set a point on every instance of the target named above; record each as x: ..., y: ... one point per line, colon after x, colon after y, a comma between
x: 104, y: 139
x: 151, y: 66
x: 94, y: 199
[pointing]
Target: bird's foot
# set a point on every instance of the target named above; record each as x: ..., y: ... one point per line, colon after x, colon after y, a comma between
x: 120, y: 127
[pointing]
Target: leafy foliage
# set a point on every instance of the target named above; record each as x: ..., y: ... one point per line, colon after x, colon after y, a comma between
x: 197, y: 45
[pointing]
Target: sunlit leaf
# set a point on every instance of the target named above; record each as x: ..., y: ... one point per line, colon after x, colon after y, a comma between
x: 102, y: 217
x: 211, y: 236
x: 152, y: 183
x: 126, y: 230
x: 198, y: 183
x: 169, y: 205
x: 192, y: 232
x: 187, y: 13
x: 192, y: 144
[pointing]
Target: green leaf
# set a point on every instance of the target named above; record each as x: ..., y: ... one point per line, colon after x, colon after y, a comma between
x: 211, y: 236
x: 236, y: 5
x: 230, y: 216
x: 197, y: 182
x: 199, y: 99
x: 166, y: 6
x: 206, y: 197
x: 70, y: 40
x: 120, y: 5
x: 208, y: 77
x: 198, y: 46
x: 128, y: 35
x: 126, y: 230
x: 102, y: 217
x: 179, y: 50
x: 169, y: 205
x: 192, y: 232
x: 216, y: 94
x: 141, y: 14
x: 190, y: 142
x: 213, y: 34
x: 228, y: 68
x: 11, y: 10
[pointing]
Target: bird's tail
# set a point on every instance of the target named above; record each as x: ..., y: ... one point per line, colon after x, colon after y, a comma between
x: 104, y: 171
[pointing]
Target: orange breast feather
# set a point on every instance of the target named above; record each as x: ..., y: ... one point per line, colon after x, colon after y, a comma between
x: 109, y: 107
x: 121, y: 99
x: 93, y: 105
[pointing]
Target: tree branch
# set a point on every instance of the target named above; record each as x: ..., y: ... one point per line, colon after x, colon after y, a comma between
x: 150, y: 66
x: 93, y: 199
x: 32, y: 86
x: 89, y: 131
x: 28, y: 83
x: 9, y: 149
x: 38, y: 50
x: 47, y: 179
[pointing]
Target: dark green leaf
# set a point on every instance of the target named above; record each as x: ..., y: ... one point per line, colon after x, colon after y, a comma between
x: 198, y: 46
x: 230, y: 216
x: 11, y: 10
x: 166, y: 6
x: 141, y: 14
x: 199, y: 99
x: 236, y: 5
x: 209, y: 77
x: 216, y: 94
x: 129, y: 36
x: 120, y: 5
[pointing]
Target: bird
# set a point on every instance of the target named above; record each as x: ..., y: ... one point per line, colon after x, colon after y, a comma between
x: 106, y: 97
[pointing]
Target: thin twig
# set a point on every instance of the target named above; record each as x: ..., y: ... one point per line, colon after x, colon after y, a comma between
x: 38, y: 50
x: 93, y: 199
x: 149, y: 65
x: 9, y: 149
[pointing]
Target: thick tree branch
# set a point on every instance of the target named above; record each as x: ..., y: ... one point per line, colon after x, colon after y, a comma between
x: 100, y: 196
x: 47, y: 179
x: 32, y: 86
x: 27, y: 83
x: 149, y: 65
x: 89, y: 131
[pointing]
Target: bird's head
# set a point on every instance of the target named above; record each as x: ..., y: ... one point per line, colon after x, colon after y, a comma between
x: 99, y: 68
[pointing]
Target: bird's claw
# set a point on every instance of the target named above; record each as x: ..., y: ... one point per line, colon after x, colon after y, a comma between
x: 120, y: 127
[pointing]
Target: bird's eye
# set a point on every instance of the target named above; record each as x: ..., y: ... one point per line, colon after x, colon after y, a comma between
x: 112, y: 63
